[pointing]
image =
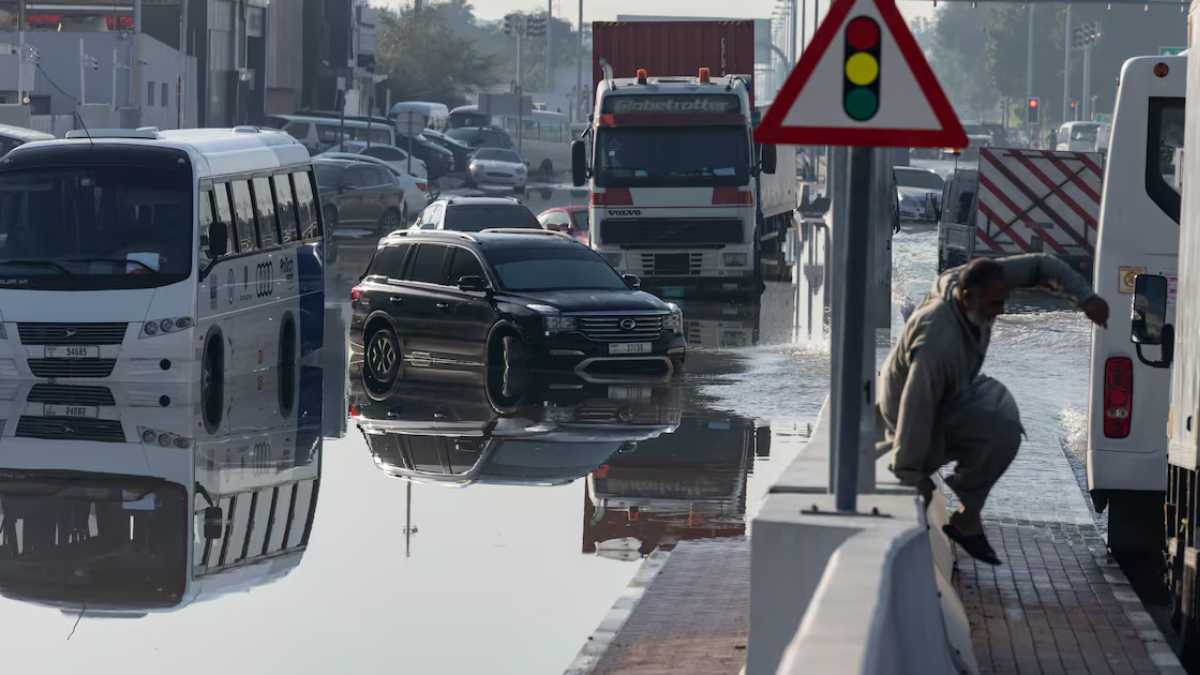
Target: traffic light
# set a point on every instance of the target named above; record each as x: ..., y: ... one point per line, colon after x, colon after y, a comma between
x: 1033, y: 110
x: 535, y: 26
x: 860, y: 86
x: 510, y: 23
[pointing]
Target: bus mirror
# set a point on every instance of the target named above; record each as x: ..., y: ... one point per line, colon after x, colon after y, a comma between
x: 218, y: 240
x: 578, y: 163
x: 769, y: 159
x: 214, y: 521
x: 1149, y: 309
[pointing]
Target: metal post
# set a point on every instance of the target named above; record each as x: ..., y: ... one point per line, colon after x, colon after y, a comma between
x: 1029, y: 69
x: 135, y: 72
x: 82, y: 82
x: 1066, y: 102
x: 520, y: 108
x: 852, y: 331
x: 1085, y: 102
x: 549, y: 33
x: 114, y: 81
x: 793, y: 17
x: 576, y: 104
x: 803, y: 25
x: 410, y: 141
x: 21, y: 61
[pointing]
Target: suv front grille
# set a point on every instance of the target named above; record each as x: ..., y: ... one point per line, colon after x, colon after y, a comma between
x: 70, y: 395
x: 71, y: 428
x: 609, y: 328
x: 71, y: 333
x: 72, y: 367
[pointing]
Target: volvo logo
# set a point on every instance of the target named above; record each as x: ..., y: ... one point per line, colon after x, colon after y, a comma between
x: 628, y: 324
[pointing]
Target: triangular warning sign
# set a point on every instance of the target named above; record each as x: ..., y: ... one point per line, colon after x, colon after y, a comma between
x: 864, y: 82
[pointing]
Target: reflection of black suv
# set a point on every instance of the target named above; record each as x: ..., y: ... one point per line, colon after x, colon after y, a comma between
x: 433, y: 302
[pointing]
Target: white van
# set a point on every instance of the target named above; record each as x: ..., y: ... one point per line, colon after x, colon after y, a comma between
x: 1082, y: 137
x: 319, y: 133
x: 1138, y: 233
x: 426, y: 115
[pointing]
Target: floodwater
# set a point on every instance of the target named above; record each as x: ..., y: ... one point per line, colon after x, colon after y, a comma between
x: 434, y: 531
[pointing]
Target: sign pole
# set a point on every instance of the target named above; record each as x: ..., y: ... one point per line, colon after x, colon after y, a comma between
x: 852, y: 266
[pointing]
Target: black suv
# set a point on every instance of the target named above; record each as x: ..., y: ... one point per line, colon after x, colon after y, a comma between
x: 436, y: 305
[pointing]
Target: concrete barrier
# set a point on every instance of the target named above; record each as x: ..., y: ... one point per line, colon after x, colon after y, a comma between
x: 866, y: 593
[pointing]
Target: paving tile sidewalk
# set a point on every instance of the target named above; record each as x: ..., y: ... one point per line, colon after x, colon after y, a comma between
x: 1059, y: 605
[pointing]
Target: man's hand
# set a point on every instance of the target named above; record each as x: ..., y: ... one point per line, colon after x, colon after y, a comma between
x: 1096, y: 309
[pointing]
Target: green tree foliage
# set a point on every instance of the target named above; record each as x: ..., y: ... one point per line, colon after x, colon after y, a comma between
x: 426, y: 59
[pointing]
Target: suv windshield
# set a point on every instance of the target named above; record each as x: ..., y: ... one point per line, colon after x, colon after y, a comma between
x: 553, y: 268
x: 94, y: 228
x: 498, y: 155
x: 476, y: 217
x: 108, y: 541
x: 672, y: 157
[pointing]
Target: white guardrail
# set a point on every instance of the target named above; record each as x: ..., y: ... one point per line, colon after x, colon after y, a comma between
x: 852, y: 594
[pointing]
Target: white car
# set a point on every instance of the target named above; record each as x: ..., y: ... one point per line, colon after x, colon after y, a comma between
x: 393, y: 156
x: 498, y: 166
x: 416, y: 190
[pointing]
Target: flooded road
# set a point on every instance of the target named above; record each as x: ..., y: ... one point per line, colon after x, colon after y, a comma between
x: 440, y: 529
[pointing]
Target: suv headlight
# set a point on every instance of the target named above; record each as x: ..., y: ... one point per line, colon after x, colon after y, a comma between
x: 735, y: 259
x: 553, y: 322
x: 164, y: 326
x: 674, y: 321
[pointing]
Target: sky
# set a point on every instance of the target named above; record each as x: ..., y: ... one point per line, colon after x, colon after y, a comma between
x: 607, y: 10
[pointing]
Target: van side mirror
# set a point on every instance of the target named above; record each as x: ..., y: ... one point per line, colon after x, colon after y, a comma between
x: 770, y: 158
x: 579, y: 169
x: 1148, y: 319
x: 214, y: 523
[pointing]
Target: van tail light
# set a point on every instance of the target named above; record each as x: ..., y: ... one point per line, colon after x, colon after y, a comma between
x: 355, y: 294
x: 1118, y: 396
x: 612, y: 197
x: 731, y: 195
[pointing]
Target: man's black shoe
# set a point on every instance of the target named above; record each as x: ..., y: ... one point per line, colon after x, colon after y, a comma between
x: 977, y: 544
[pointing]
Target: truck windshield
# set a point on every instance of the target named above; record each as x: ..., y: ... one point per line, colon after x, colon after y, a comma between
x: 94, y: 540
x: 95, y: 228
x: 672, y: 157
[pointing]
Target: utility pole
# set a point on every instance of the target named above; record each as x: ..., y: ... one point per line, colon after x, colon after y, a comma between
x: 792, y: 28
x: 549, y: 34
x: 1066, y: 102
x: 577, y: 108
x: 136, y: 62
x: 1029, y: 7
x: 1085, y: 100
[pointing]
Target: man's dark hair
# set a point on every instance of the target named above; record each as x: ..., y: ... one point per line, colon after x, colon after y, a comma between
x: 980, y: 273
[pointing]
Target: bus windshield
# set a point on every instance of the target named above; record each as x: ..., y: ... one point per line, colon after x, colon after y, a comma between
x: 92, y: 228
x: 91, y: 539
x: 672, y: 157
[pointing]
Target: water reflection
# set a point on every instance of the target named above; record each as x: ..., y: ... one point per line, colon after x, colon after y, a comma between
x: 96, y: 484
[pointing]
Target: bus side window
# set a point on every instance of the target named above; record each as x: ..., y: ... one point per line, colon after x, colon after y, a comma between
x: 285, y: 206
x: 206, y: 220
x: 264, y: 209
x: 306, y: 206
x: 225, y: 214
x: 243, y: 210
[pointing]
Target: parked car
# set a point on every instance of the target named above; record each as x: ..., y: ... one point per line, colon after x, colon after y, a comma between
x: 482, y: 137
x: 472, y: 214
x: 461, y: 151
x: 416, y: 190
x: 360, y: 202
x: 570, y: 220
x: 11, y: 137
x: 914, y: 186
x: 497, y: 167
x: 507, y: 302
x: 395, y: 157
x: 438, y: 160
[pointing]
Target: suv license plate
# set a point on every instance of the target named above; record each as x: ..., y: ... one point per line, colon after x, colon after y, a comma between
x: 58, y: 410
x: 72, y: 352
x: 631, y: 348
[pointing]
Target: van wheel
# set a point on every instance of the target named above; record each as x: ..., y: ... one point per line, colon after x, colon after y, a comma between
x: 287, y: 365
x: 381, y: 362
x: 212, y: 382
x: 391, y: 221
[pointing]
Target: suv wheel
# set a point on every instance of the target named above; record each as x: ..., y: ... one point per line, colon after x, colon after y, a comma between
x: 381, y: 362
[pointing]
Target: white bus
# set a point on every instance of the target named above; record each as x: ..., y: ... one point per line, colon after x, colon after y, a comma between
x: 159, y: 256
x: 162, y: 512
x: 545, y: 139
x: 1138, y: 233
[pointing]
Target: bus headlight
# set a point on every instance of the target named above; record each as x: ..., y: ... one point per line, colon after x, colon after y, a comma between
x: 164, y: 326
x: 163, y: 439
x: 674, y: 321
x: 735, y: 259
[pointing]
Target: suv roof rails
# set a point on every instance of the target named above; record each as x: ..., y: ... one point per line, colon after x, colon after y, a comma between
x: 446, y: 234
x: 525, y: 230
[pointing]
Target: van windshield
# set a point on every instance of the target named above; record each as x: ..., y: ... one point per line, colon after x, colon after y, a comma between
x: 92, y: 228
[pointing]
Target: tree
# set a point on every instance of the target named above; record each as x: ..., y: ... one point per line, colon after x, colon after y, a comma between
x: 426, y: 59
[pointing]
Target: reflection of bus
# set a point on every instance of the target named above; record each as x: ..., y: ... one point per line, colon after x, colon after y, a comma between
x: 456, y: 435
x: 159, y: 255
x: 689, y: 484
x: 158, y: 511
x: 545, y: 136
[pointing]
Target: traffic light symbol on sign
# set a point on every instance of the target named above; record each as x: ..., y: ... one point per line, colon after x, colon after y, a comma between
x: 1034, y: 111
x: 860, y: 85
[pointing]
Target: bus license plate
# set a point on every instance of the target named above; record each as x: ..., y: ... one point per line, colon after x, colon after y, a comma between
x: 58, y: 410
x: 630, y: 348
x: 72, y: 352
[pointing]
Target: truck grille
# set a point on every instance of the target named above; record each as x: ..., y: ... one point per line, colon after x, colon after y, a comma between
x: 72, y: 367
x: 71, y: 428
x: 669, y: 231
x: 70, y: 395
x: 672, y: 264
x: 608, y: 328
x: 71, y: 333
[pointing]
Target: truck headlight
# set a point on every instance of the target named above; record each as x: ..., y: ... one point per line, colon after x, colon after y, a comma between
x: 735, y: 259
x: 674, y: 320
